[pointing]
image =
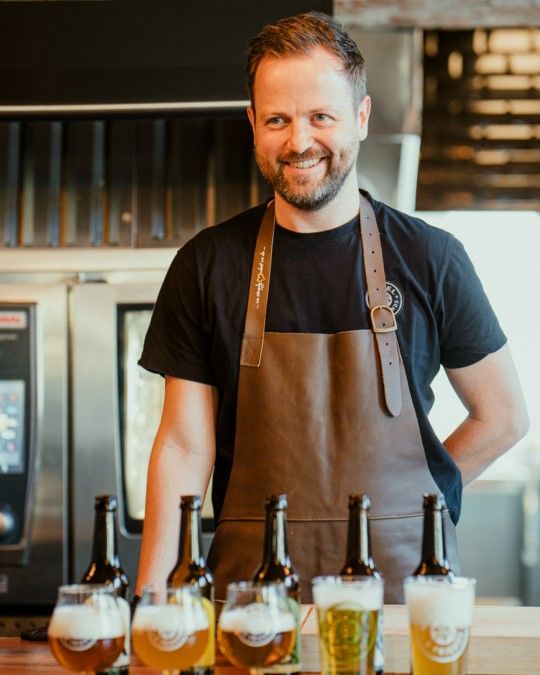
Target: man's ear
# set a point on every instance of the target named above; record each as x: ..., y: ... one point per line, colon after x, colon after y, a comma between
x: 364, y: 110
x: 251, y: 117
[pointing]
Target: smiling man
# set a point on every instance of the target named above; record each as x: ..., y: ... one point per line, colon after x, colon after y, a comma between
x: 300, y: 338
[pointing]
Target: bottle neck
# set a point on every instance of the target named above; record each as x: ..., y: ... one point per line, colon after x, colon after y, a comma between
x: 105, y: 543
x: 433, y: 538
x: 358, y: 539
x: 190, y: 550
x: 275, y: 539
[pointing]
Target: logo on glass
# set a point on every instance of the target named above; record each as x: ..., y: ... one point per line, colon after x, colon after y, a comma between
x: 167, y: 640
x: 443, y: 644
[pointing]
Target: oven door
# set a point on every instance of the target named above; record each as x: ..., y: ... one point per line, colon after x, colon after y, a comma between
x: 33, y: 446
x: 116, y: 408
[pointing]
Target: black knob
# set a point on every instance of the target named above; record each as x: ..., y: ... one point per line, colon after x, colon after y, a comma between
x: 7, y: 521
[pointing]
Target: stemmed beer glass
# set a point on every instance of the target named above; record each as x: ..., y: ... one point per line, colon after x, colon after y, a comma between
x: 171, y: 628
x: 256, y: 627
x: 86, y: 632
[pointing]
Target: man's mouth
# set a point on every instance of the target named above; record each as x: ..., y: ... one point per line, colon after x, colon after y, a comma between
x: 304, y: 164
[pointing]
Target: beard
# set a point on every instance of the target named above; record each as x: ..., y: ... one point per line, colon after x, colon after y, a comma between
x: 299, y: 191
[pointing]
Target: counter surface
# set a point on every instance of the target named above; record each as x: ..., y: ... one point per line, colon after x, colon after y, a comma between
x: 504, y: 641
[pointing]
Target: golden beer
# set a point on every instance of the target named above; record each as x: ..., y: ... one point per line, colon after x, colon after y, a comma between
x: 440, y: 614
x: 348, y: 611
x: 170, y: 637
x: 85, y: 638
x: 254, y: 637
x: 86, y: 655
x: 439, y: 651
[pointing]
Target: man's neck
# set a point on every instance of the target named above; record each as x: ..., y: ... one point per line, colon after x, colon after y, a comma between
x: 340, y: 210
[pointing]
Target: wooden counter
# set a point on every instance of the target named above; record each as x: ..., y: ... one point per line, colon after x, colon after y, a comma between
x: 505, y: 641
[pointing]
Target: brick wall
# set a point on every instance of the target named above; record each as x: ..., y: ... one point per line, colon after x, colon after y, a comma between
x: 448, y: 14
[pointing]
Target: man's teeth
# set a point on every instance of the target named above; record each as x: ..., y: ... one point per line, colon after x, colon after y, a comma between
x: 306, y: 164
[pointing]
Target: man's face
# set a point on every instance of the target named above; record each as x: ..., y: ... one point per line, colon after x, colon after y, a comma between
x: 306, y: 130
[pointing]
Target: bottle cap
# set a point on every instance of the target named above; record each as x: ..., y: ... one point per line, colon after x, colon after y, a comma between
x: 106, y: 503
x: 436, y: 501
x: 361, y: 499
x: 190, y: 502
x: 276, y: 502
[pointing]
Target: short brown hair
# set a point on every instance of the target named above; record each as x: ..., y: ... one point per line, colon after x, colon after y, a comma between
x: 300, y: 34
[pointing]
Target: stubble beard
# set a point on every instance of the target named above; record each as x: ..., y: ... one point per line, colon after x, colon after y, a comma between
x: 296, y: 191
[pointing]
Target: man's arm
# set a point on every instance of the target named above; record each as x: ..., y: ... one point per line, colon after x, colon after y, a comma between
x: 497, y: 415
x: 181, y: 462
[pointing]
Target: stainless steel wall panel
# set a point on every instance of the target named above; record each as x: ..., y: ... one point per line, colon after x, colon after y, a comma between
x: 55, y: 184
x: 232, y: 156
x: 187, y: 183
x: 84, y: 176
x: 151, y: 183
x: 122, y: 182
x: 10, y: 134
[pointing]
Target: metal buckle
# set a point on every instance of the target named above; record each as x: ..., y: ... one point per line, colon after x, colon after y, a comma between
x: 388, y: 329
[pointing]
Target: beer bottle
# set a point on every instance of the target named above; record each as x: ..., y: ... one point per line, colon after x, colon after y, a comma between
x: 191, y: 568
x: 434, y: 562
x: 276, y: 566
x: 105, y: 568
x: 359, y: 561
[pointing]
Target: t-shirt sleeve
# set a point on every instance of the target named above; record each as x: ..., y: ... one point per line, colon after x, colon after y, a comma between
x: 176, y: 343
x: 468, y: 327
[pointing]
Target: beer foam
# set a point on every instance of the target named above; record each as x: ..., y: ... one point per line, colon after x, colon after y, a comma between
x: 85, y: 622
x: 445, y: 603
x: 162, y: 618
x: 256, y: 618
x: 348, y: 596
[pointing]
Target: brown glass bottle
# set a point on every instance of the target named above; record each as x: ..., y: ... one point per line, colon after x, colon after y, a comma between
x: 433, y: 562
x: 359, y: 561
x: 276, y: 566
x: 105, y: 567
x: 191, y: 568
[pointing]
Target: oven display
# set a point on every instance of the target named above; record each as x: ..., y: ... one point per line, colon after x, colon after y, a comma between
x: 11, y: 426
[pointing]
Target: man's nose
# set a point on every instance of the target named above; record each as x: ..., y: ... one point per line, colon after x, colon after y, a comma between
x: 300, y: 138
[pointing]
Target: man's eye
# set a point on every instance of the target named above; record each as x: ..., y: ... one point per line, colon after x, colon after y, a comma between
x: 321, y: 117
x: 274, y: 121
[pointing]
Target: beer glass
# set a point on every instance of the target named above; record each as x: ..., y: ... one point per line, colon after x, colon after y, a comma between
x: 440, y: 618
x: 348, y: 610
x: 256, y: 627
x: 86, y: 632
x: 170, y: 628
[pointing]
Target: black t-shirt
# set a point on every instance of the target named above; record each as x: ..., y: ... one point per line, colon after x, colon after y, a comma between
x: 317, y: 285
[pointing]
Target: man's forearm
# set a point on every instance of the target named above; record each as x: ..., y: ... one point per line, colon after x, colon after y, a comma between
x: 476, y: 444
x: 497, y: 415
x: 171, y: 473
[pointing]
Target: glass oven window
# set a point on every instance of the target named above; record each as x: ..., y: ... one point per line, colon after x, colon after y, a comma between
x: 140, y: 395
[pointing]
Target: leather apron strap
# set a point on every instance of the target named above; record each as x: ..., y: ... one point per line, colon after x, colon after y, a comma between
x: 253, y: 340
x: 383, y: 321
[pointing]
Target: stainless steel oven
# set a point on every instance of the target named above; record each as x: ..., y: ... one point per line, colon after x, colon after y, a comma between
x: 77, y: 414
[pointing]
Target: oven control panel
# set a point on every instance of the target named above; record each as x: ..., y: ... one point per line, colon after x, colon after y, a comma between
x: 17, y: 412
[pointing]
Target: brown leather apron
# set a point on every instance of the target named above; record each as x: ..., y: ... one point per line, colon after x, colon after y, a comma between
x: 320, y: 416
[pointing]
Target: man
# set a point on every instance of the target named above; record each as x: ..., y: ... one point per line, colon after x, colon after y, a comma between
x: 285, y: 366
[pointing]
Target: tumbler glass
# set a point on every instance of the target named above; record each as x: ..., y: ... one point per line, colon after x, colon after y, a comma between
x: 348, y: 611
x: 440, y: 618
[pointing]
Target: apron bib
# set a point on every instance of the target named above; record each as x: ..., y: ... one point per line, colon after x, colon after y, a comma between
x: 319, y: 417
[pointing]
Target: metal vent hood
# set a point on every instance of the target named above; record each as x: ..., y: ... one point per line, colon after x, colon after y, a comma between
x: 388, y: 161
